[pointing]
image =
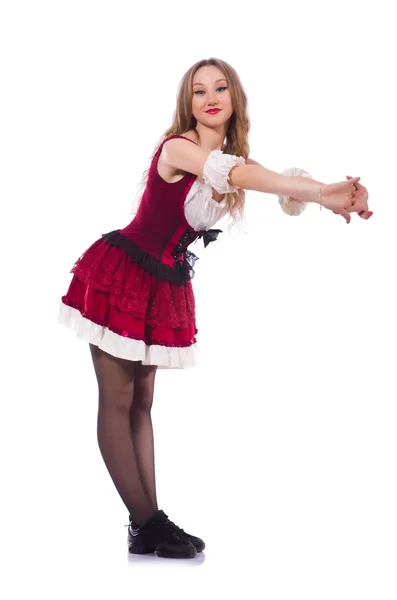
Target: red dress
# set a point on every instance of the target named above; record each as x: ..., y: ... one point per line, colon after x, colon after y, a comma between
x: 131, y: 291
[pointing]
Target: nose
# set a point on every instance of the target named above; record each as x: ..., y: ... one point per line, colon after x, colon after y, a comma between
x: 212, y: 99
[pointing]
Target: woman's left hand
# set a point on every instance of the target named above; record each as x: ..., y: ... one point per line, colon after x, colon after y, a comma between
x: 359, y: 201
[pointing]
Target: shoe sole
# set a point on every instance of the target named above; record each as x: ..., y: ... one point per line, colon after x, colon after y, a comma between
x: 163, y: 553
x: 140, y: 551
x: 144, y: 550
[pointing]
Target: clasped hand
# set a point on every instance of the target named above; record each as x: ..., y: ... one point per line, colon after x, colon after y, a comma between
x: 345, y: 198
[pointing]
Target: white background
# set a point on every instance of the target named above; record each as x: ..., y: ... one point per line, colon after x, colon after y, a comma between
x: 279, y: 449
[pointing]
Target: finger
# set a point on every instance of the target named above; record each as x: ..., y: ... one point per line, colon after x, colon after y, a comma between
x: 357, y: 206
x: 358, y: 186
x: 350, y: 177
x: 346, y: 215
x: 341, y: 185
x: 365, y: 214
x: 350, y: 182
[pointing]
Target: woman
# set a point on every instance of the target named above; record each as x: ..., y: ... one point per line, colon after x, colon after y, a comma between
x: 131, y: 296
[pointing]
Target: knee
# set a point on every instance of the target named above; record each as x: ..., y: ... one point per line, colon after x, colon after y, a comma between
x: 144, y: 389
x: 142, y: 402
x: 120, y: 401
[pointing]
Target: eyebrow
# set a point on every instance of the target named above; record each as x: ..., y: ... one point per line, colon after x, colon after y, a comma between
x: 215, y: 82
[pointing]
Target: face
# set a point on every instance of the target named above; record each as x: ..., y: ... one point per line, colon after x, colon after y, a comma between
x: 210, y: 91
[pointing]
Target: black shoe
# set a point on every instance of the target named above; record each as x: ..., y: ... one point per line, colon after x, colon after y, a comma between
x: 196, y: 541
x: 158, y: 536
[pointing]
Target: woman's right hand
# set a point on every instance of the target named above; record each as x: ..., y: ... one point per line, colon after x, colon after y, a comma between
x: 338, y: 197
x: 360, y: 201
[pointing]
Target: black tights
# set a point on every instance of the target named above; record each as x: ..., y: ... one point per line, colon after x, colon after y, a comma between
x: 125, y: 432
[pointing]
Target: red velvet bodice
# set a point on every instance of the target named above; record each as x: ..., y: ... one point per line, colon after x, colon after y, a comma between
x: 160, y: 227
x: 158, y: 236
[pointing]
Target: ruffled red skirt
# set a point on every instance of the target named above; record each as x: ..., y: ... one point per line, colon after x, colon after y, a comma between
x: 129, y: 312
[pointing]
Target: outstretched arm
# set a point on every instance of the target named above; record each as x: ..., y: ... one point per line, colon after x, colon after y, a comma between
x: 299, y: 178
x: 254, y: 176
x: 251, y: 161
x: 226, y: 173
x: 185, y: 156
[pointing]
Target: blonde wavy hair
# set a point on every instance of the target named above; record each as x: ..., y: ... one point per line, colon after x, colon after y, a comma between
x: 236, y: 140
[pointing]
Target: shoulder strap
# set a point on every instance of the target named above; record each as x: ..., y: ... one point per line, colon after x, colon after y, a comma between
x: 173, y: 136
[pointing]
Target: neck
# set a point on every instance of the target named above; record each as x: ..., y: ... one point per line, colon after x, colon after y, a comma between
x: 211, y: 138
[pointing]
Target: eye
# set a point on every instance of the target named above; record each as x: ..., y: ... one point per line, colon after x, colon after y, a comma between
x: 202, y: 92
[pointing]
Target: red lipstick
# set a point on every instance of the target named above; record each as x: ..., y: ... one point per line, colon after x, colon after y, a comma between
x: 213, y: 111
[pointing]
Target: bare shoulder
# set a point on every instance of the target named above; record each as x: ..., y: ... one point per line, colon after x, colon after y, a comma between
x: 191, y: 135
x: 251, y: 161
x: 168, y: 173
x: 179, y: 157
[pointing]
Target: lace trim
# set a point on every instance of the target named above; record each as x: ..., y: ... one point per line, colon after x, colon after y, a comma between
x: 184, y: 259
x: 111, y: 278
x: 123, y: 333
x: 179, y: 274
x: 165, y: 357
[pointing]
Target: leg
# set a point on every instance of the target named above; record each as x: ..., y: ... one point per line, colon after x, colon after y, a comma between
x: 116, y: 388
x: 142, y: 429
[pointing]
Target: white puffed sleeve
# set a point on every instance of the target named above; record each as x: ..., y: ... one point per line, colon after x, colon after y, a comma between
x: 292, y: 207
x: 217, y: 168
x: 201, y: 210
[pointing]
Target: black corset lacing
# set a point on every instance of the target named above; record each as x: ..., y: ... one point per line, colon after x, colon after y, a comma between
x: 184, y: 259
x: 183, y: 268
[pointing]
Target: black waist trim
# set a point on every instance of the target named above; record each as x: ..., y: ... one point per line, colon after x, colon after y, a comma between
x: 179, y: 274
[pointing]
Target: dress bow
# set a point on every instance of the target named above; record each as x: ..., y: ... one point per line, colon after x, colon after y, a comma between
x: 209, y: 235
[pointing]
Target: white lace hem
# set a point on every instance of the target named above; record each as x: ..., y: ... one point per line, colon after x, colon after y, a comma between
x: 122, y: 347
x: 217, y: 168
x: 293, y: 207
